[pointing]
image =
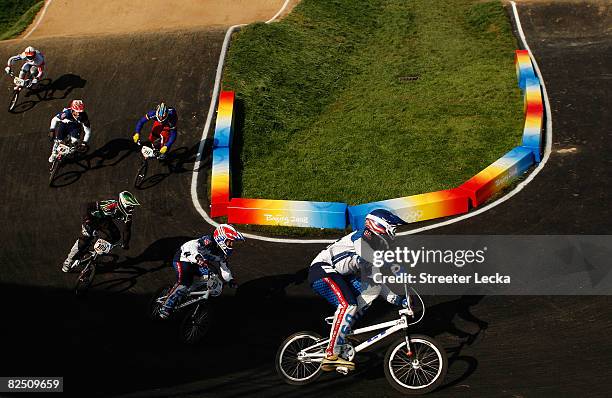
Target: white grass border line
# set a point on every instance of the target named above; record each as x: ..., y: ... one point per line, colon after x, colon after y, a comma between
x: 481, y: 210
x: 42, y: 15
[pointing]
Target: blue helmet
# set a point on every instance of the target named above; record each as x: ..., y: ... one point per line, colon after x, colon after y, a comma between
x: 383, y: 223
x: 161, y: 112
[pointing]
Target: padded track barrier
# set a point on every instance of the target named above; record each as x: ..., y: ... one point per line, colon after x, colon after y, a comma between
x: 220, y: 182
x: 220, y: 172
x: 498, y: 175
x: 524, y: 68
x: 225, y: 116
x: 415, y: 208
x: 534, y: 105
x: 287, y: 213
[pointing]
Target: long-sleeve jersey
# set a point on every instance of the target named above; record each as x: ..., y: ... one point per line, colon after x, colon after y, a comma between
x: 38, y: 61
x: 344, y: 257
x: 96, y: 213
x: 66, y: 116
x: 170, y: 122
x: 210, y: 253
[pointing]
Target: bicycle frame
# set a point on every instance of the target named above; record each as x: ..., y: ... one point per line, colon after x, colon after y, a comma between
x: 389, y: 327
x: 200, y: 295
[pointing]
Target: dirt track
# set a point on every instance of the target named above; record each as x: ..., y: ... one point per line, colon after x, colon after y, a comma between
x: 94, y: 17
x: 104, y: 346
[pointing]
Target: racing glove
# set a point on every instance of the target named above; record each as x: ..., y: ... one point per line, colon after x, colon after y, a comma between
x: 7, y: 70
x: 136, y: 137
x: 163, y: 150
x: 233, y: 284
x: 34, y: 81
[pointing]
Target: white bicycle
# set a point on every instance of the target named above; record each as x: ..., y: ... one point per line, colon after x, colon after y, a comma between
x: 196, y: 321
x: 414, y: 364
x: 88, y: 264
x: 19, y: 84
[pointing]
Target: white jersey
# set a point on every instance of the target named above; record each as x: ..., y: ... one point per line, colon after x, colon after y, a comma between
x: 344, y: 257
x: 189, y: 252
x: 38, y: 61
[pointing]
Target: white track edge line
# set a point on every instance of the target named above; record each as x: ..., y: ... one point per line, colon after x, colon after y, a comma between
x: 42, y: 15
x: 489, y: 206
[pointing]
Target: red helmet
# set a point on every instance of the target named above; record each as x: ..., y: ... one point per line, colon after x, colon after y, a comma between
x: 225, y: 235
x: 77, y: 106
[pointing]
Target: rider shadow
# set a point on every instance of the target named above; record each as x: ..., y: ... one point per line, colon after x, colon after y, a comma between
x: 177, y: 162
x: 444, y: 318
x: 129, y: 269
x: 110, y: 154
x: 47, y: 90
x: 270, y: 287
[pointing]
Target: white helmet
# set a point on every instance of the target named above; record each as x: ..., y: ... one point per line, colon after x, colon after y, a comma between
x: 30, y: 52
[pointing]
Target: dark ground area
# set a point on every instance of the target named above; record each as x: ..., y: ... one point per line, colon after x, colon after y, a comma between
x: 104, y: 345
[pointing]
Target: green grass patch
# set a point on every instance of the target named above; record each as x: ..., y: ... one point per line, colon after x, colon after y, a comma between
x: 330, y: 111
x: 16, y: 16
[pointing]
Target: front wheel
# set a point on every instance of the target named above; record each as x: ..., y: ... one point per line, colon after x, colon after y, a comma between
x: 196, y: 323
x: 13, y: 100
x: 85, y: 278
x: 291, y: 366
x: 53, y: 171
x: 419, y: 373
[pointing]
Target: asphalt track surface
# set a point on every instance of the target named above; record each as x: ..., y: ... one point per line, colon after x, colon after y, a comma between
x: 104, y: 345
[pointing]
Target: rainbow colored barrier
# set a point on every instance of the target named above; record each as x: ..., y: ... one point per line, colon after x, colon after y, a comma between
x: 534, y: 118
x: 225, y: 116
x: 415, y: 208
x: 498, y: 175
x: 532, y: 98
x: 287, y: 213
x: 524, y: 68
x: 220, y: 182
x: 220, y: 173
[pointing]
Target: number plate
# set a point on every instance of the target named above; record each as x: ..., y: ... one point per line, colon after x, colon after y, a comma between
x: 147, y: 152
x: 102, y: 247
x: 63, y: 149
x: 215, y: 286
x: 19, y: 82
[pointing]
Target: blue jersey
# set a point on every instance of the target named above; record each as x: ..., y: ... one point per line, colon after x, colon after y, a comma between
x: 170, y: 121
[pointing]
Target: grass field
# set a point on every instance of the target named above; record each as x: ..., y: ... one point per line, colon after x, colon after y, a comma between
x: 16, y: 15
x: 331, y: 112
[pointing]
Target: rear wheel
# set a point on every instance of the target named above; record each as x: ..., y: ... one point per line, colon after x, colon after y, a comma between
x: 299, y: 371
x: 86, y: 277
x: 196, y: 323
x: 13, y: 100
x: 420, y: 372
x: 140, y: 176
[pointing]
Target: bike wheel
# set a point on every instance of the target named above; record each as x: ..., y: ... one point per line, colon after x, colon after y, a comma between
x: 140, y: 176
x: 420, y: 373
x: 53, y: 171
x: 13, y: 100
x: 195, y: 324
x: 155, y: 305
x: 85, y: 278
x: 293, y: 370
